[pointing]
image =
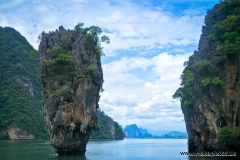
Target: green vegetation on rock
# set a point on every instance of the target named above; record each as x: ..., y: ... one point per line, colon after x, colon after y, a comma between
x: 185, y: 92
x: 225, y: 28
x: 20, y: 88
x: 118, y: 131
x: 231, y: 136
x: 92, y: 39
x: 209, y: 82
x: 106, y: 125
x: 225, y: 33
x: 58, y: 68
x: 208, y: 74
x: 225, y: 133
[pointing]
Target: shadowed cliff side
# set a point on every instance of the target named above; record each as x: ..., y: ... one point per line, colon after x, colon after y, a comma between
x: 71, y: 77
x: 210, y: 87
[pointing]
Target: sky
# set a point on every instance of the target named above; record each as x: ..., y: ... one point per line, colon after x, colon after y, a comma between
x: 150, y: 41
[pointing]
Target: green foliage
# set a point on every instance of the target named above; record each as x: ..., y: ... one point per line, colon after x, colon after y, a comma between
x: 92, y: 40
x: 185, y: 91
x: 40, y: 36
x: 97, y: 49
x: 17, y: 104
x: 33, y: 53
x: 225, y: 133
x: 60, y: 63
x: 89, y: 41
x: 78, y: 26
x: 82, y: 52
x: 4, y: 136
x: 208, y: 74
x: 236, y: 133
x: 62, y: 60
x: 57, y: 49
x: 90, y: 69
x: 225, y: 28
x: 205, y: 68
x: 105, y: 128
x: 60, y: 91
x: 228, y: 134
x: 118, y: 131
x: 66, y: 37
x: 105, y: 39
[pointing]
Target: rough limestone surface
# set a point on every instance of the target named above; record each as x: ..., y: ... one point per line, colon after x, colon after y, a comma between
x: 17, y: 133
x: 70, y: 104
x: 216, y: 107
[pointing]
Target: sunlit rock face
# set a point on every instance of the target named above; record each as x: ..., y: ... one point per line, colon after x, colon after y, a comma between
x: 71, y: 77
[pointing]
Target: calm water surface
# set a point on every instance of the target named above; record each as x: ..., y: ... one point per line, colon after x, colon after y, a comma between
x: 128, y: 149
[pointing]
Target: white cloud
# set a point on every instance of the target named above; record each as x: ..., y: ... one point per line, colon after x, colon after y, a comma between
x: 138, y: 87
x: 130, y: 25
x: 138, y: 98
x: 9, y: 4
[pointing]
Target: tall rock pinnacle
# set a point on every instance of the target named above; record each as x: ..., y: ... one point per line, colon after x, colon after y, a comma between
x: 210, y: 87
x: 71, y: 77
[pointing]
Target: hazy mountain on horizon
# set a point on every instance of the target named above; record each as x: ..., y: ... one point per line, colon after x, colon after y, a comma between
x: 145, y: 132
x: 132, y: 131
x: 158, y: 132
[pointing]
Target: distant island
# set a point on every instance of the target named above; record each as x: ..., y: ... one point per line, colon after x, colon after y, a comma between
x: 132, y: 131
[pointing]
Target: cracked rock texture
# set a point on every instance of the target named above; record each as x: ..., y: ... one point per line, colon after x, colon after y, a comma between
x: 217, y: 107
x: 70, y: 104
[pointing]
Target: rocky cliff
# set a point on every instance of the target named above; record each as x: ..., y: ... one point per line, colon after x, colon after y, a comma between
x: 71, y: 77
x: 17, y: 133
x: 210, y: 88
x: 108, y: 128
x: 20, y: 89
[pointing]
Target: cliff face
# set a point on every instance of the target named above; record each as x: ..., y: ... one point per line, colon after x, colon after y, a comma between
x: 20, y: 88
x: 17, y: 133
x: 108, y: 128
x: 72, y: 77
x: 213, y: 100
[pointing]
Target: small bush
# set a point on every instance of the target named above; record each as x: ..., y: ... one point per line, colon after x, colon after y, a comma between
x: 90, y: 69
x: 225, y: 133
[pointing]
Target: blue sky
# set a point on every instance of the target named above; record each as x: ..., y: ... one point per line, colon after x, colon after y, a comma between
x: 150, y: 40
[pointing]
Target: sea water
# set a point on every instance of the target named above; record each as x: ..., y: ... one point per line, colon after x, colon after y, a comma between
x: 127, y: 149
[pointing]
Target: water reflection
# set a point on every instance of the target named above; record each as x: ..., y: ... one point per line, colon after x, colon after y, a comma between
x: 69, y: 158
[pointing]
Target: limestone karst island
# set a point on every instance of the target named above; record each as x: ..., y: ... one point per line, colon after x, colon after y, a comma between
x: 210, y: 87
x: 52, y: 94
x: 69, y: 71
